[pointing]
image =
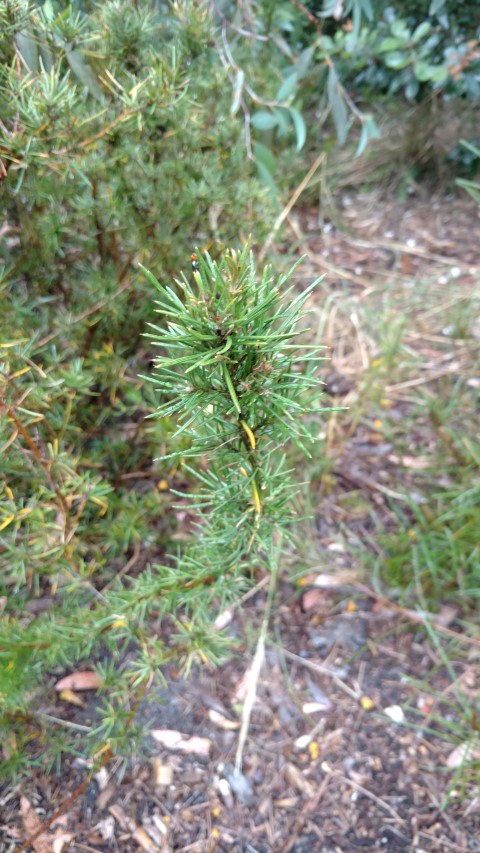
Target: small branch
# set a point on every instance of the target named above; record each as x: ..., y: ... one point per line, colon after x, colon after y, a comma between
x: 126, y: 568
x: 248, y: 132
x: 67, y: 724
x: 308, y: 14
x: 418, y: 618
x: 99, y: 229
x: 366, y: 793
x: 21, y: 429
x: 255, y: 98
x: 353, y: 107
x: 85, y: 143
x: 323, y: 670
x: 240, y: 30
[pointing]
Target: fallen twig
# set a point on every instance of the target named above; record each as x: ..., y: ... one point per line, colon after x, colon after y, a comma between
x: 418, y: 618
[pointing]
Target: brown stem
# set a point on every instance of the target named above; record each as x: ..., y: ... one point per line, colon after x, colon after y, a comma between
x: 42, y: 462
x: 107, y: 755
x: 64, y: 806
x: 99, y: 229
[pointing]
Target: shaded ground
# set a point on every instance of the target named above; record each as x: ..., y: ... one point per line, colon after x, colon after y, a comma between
x: 346, y: 749
x: 325, y: 769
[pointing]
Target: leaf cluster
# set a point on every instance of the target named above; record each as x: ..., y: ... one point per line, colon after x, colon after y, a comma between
x: 241, y: 387
x: 393, y: 51
x: 339, y: 55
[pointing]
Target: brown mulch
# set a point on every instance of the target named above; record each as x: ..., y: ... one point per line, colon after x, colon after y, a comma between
x: 345, y: 751
x: 325, y: 768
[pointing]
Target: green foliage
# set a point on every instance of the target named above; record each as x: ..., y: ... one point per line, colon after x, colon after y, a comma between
x: 241, y: 397
x: 339, y: 54
x: 459, y: 17
x: 150, y: 147
x: 240, y: 386
x: 473, y: 153
x: 391, y: 55
x: 117, y: 144
x: 331, y: 56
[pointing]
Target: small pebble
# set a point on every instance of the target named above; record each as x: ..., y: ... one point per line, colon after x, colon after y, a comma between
x: 395, y: 713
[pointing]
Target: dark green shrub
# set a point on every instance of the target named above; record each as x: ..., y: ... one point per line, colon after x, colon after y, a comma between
x: 341, y: 55
x: 117, y: 145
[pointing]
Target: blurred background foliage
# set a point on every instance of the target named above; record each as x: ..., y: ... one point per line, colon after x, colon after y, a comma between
x: 133, y: 132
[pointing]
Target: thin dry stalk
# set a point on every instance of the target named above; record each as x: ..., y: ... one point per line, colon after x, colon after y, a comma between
x: 290, y: 204
x: 257, y: 663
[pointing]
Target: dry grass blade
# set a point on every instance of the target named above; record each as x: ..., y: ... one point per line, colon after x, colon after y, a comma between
x: 290, y: 204
x: 249, y: 702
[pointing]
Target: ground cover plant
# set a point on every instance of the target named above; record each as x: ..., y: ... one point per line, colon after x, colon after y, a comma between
x: 407, y: 373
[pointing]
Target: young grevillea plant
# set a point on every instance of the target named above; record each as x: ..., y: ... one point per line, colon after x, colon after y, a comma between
x: 240, y: 386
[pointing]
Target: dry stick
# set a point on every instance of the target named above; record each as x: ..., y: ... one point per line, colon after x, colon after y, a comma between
x: 368, y: 794
x: 364, y: 480
x: 442, y: 309
x: 286, y: 210
x: 323, y: 670
x: 62, y: 808
x: 43, y: 464
x: 418, y: 618
x: 126, y: 568
x: 395, y: 246
x: 252, y: 686
x: 309, y: 15
x: 231, y: 62
x: 299, y: 820
x: 318, y: 260
x: 101, y: 133
x: 241, y: 601
x: 422, y: 380
x: 454, y: 846
x: 255, y: 671
x: 65, y: 723
x: 251, y: 592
